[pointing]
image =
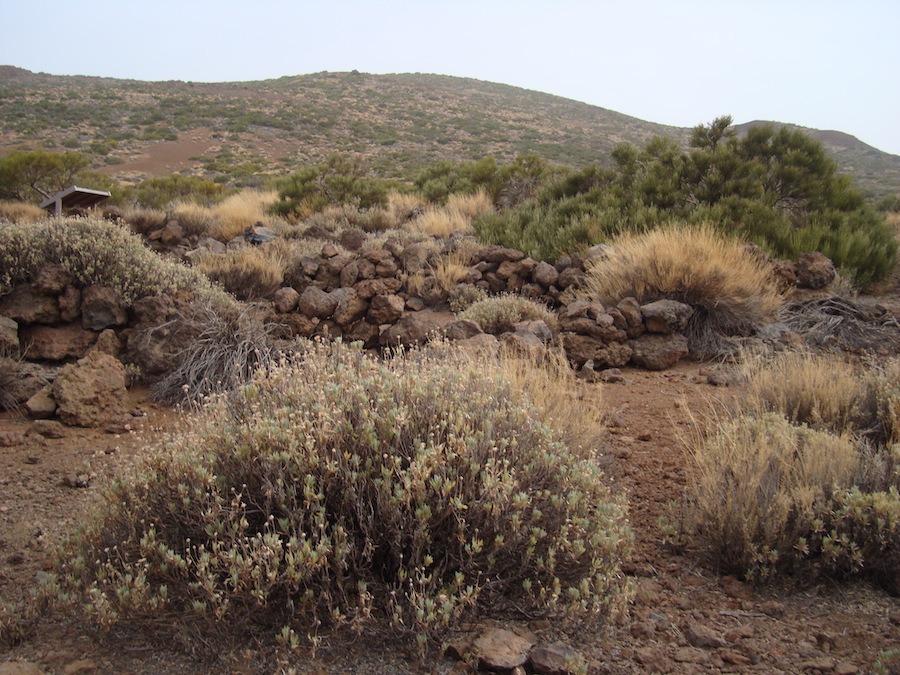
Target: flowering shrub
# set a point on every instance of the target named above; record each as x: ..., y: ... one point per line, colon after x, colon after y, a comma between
x: 346, y: 491
x: 94, y: 251
x: 499, y: 314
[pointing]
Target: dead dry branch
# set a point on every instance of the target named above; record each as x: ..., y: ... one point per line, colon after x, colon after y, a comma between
x: 844, y: 324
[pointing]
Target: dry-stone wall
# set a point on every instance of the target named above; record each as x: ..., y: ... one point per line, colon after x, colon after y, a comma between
x: 382, y: 297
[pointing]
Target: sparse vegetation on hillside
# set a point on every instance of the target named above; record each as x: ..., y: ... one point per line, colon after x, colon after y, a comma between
x: 343, y: 491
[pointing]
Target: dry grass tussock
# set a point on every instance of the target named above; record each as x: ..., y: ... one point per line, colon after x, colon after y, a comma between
x: 227, y: 348
x: 756, y: 488
x: 454, y: 217
x: 21, y: 212
x: 828, y: 393
x: 731, y: 291
x: 249, y: 272
x: 234, y: 213
x: 144, y: 221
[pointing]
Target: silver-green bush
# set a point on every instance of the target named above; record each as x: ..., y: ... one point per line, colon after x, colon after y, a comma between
x: 345, y: 491
x: 499, y: 314
x: 95, y: 251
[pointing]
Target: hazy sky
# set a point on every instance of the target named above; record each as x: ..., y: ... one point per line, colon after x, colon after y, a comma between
x: 817, y: 63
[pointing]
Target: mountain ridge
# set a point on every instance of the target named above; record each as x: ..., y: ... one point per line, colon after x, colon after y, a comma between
x: 398, y: 123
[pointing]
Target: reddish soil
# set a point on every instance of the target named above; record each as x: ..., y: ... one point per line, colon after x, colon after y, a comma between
x: 827, y: 628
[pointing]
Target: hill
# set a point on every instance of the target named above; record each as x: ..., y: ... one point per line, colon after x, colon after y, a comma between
x: 238, y: 131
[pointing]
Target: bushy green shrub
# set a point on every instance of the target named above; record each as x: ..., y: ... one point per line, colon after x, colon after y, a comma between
x: 340, y: 490
x: 776, y: 187
x: 163, y: 193
x: 338, y: 181
x: 98, y: 252
x: 500, y: 314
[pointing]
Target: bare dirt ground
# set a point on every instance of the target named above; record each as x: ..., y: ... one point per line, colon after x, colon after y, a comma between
x: 46, y: 486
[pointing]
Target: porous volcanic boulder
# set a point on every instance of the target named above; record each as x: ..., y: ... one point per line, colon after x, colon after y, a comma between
x: 369, y: 288
x: 350, y: 307
x: 583, y: 348
x: 501, y: 650
x: 415, y: 257
x: 91, y: 392
x: 316, y: 303
x: 571, y: 277
x: 630, y: 309
x: 101, y: 307
x: 69, y: 303
x: 41, y: 406
x: 29, y: 378
x: 9, y: 336
x: 386, y: 308
x: 666, y: 316
x: 412, y: 329
x: 555, y: 658
x: 286, y: 300
x: 56, y: 343
x: 545, y: 274
x: 26, y: 304
x: 52, y: 278
x: 658, y: 352
x: 462, y: 329
x: 352, y: 239
x: 814, y: 271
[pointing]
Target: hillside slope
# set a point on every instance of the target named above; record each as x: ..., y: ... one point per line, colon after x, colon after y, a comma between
x: 399, y: 123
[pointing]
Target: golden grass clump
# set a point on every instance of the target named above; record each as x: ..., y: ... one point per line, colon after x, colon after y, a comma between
x: 823, y: 392
x: 194, y: 219
x: 21, y: 212
x: 455, y: 217
x: 758, y: 484
x: 249, y: 272
x: 234, y: 213
x: 732, y: 292
x: 144, y: 221
x: 405, y: 206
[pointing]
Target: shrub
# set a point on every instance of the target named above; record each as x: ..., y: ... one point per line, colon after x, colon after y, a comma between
x: 731, y: 291
x: 163, y: 193
x: 463, y: 296
x: 99, y: 252
x: 340, y: 490
x: 338, y: 181
x: 500, y: 314
x: 828, y: 394
x: 234, y: 213
x: 226, y: 348
x: 248, y: 272
x: 21, y: 212
x: 758, y: 487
